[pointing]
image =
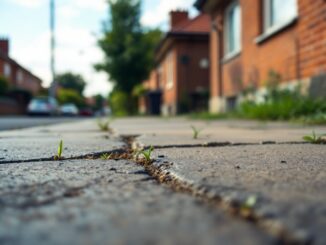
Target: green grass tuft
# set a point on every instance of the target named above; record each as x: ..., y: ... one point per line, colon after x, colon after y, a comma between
x: 314, y: 138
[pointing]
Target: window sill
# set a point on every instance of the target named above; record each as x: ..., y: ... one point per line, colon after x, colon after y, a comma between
x: 169, y: 86
x: 231, y: 56
x: 274, y: 30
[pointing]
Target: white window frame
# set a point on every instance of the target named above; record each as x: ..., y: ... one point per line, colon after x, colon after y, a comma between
x: 268, y: 28
x: 169, y: 70
x: 229, y: 54
x: 7, y: 70
x: 19, y: 76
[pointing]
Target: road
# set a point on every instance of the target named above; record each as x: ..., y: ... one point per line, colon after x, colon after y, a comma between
x: 9, y: 123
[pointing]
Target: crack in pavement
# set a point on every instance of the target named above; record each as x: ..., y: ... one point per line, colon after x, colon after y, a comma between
x: 129, y: 140
x: 159, y: 170
x: 218, y: 144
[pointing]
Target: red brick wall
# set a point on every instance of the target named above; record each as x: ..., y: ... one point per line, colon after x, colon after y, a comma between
x: 169, y: 96
x: 297, y: 52
x: 312, y: 36
x: 191, y: 76
x: 177, y: 17
x: 1, y: 67
x: 27, y: 82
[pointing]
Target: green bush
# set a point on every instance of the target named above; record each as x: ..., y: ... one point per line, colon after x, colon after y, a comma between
x: 119, y: 102
x: 282, y: 105
x: 70, y: 96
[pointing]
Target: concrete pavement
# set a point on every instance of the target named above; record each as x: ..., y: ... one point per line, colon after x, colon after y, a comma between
x: 195, y: 191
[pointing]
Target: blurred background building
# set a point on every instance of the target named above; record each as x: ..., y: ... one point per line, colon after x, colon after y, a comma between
x: 179, y: 83
x: 18, y: 84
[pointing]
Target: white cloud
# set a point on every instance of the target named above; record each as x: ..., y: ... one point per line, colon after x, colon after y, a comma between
x: 76, y: 52
x: 67, y: 12
x: 97, y: 5
x: 28, y: 3
x: 160, y: 14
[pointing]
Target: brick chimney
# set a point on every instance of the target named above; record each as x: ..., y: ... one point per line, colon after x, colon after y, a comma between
x: 4, y: 45
x: 178, y: 16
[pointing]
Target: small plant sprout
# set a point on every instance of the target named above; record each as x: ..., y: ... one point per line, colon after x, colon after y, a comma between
x: 60, y: 149
x: 314, y: 138
x: 104, y: 125
x: 247, y: 207
x: 195, y: 132
x: 250, y: 202
x: 106, y: 156
x: 146, y: 153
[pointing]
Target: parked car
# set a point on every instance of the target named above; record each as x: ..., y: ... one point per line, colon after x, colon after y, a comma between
x: 86, y: 112
x: 43, y: 106
x: 69, y: 110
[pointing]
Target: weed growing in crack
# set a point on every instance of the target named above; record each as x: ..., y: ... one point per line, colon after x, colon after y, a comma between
x: 104, y: 125
x: 195, y: 132
x: 106, y: 156
x: 146, y: 153
x: 60, y: 149
x: 315, y: 139
x: 246, y: 208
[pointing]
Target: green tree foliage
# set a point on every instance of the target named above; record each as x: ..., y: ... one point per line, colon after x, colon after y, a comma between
x: 70, y: 96
x: 119, y: 103
x: 4, y: 85
x: 99, y: 100
x: 71, y: 81
x: 128, y: 48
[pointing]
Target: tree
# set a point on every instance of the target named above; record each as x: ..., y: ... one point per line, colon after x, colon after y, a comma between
x: 70, y: 96
x: 99, y: 100
x: 71, y: 81
x: 128, y: 48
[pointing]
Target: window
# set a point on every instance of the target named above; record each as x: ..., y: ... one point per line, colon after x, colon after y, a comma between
x: 19, y: 76
x: 7, y: 70
x: 204, y: 63
x: 170, y: 71
x: 233, y: 29
x: 278, y: 13
x: 159, y: 77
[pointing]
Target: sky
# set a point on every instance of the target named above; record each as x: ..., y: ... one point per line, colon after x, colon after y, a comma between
x: 78, y: 26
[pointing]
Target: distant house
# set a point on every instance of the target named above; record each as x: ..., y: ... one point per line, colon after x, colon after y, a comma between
x: 18, y: 76
x: 251, y: 38
x: 180, y: 80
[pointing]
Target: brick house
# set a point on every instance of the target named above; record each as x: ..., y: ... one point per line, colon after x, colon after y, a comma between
x: 18, y: 76
x: 180, y: 80
x: 249, y: 38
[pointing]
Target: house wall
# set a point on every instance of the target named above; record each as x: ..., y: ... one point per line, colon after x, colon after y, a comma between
x: 151, y: 84
x: 191, y: 77
x: 1, y: 67
x: 169, y: 88
x: 298, y: 52
x: 20, y: 78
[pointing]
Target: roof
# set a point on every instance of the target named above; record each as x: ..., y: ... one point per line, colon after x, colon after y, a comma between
x: 199, y: 24
x: 197, y: 28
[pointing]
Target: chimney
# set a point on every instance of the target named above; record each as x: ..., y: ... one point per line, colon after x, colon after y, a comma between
x: 4, y: 45
x: 178, y: 16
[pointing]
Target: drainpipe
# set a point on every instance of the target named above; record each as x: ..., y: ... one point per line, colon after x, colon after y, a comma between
x: 218, y: 27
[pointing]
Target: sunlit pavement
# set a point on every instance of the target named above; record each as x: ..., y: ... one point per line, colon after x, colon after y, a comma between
x: 272, y: 183
x: 8, y: 123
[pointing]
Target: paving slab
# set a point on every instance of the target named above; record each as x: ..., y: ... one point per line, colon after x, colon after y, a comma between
x: 177, y: 131
x: 79, y: 138
x: 288, y: 180
x: 107, y: 202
